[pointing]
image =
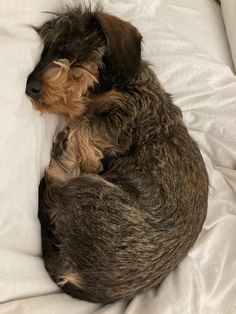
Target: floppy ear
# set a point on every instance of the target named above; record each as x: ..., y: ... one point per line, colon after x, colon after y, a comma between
x: 124, y: 45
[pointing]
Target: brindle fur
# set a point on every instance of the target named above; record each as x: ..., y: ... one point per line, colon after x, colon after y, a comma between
x: 125, y: 195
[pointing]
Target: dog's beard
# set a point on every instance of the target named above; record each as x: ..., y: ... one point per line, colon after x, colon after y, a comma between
x: 65, y: 88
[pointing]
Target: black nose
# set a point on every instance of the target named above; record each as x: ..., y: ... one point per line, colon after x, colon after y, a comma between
x: 33, y: 89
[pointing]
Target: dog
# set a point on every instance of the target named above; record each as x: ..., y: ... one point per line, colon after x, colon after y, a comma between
x: 125, y: 195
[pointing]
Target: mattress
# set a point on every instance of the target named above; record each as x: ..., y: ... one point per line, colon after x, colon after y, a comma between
x: 186, y: 43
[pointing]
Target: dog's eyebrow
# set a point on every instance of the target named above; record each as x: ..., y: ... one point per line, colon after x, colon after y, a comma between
x: 35, y: 28
x: 55, y: 38
x: 53, y: 13
x: 86, y: 69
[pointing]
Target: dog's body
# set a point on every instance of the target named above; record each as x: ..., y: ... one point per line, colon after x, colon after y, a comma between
x: 125, y: 194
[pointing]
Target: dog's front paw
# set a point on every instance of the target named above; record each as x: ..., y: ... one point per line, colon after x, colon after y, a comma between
x: 60, y: 144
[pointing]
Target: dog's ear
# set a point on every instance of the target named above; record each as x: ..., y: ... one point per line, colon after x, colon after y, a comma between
x: 124, y: 44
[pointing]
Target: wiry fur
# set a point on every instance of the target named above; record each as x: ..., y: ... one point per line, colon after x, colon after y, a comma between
x: 125, y: 195
x: 65, y: 88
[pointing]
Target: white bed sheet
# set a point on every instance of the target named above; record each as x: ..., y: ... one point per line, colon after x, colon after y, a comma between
x: 197, y: 70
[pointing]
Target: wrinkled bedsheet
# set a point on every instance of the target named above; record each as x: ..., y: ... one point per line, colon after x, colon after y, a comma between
x: 186, y: 43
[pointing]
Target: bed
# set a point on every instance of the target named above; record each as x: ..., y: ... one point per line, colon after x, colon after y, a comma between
x: 192, y: 48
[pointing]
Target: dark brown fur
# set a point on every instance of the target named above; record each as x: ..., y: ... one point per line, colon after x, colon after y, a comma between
x: 125, y: 195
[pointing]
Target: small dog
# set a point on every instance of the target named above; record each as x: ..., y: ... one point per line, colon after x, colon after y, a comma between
x: 125, y: 195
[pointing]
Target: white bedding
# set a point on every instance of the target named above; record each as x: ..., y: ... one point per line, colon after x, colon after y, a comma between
x: 228, y: 13
x: 186, y: 42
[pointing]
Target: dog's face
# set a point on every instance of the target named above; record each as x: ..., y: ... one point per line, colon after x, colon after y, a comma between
x: 82, y: 51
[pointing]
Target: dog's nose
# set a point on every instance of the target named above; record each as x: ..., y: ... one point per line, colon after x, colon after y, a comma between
x: 33, y: 89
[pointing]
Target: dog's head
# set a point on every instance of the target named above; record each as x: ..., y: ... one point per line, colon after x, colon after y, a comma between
x: 83, y: 51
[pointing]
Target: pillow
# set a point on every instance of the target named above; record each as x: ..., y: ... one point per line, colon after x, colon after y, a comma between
x: 25, y: 141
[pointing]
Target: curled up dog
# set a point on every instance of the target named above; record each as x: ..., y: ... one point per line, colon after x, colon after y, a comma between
x: 125, y: 195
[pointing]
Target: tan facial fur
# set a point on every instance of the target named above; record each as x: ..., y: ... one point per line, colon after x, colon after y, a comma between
x: 65, y: 88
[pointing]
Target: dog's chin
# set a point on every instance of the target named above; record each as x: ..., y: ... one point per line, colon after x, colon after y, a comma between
x: 72, y: 109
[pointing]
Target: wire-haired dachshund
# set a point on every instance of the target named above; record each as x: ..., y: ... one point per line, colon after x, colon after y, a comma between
x: 125, y: 195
